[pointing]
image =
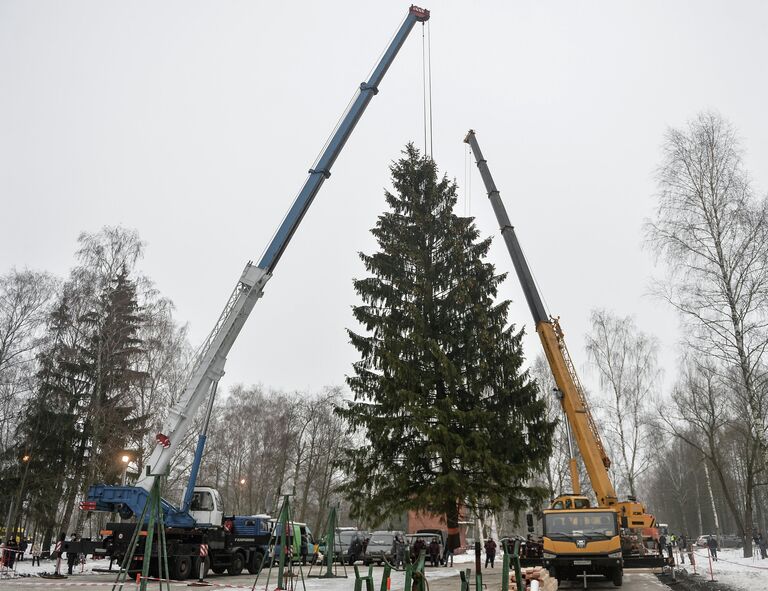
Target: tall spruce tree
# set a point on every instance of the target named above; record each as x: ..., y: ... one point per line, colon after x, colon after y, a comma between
x: 450, y: 418
x: 109, y: 361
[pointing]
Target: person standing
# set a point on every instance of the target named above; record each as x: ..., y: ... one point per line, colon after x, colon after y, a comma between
x: 434, y: 552
x: 490, y: 552
x: 662, y: 544
x: 36, y: 552
x: 712, y: 545
x: 448, y: 553
x: 761, y: 544
x: 682, y: 547
x: 72, y: 556
x: 11, y: 551
x: 399, y: 551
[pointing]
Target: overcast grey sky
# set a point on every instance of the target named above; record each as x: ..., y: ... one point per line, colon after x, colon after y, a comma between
x: 195, y: 123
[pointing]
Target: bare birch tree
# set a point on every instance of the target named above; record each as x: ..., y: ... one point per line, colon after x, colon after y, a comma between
x: 625, y: 360
x: 713, y: 234
x: 24, y: 301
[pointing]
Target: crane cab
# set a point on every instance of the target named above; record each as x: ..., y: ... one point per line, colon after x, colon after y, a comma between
x: 206, y: 507
x: 569, y: 501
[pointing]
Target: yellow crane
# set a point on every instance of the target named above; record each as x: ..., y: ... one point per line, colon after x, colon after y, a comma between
x: 578, y: 540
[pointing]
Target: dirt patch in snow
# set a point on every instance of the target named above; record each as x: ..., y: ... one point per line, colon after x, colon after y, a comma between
x: 689, y: 582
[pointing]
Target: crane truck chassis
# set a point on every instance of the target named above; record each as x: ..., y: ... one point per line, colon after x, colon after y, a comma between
x: 231, y: 545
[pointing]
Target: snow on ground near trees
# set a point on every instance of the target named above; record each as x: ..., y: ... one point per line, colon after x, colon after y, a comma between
x: 25, y: 569
x: 749, y: 574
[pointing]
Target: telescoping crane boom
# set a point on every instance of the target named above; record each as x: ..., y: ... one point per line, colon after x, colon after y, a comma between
x: 208, y: 365
x: 632, y: 514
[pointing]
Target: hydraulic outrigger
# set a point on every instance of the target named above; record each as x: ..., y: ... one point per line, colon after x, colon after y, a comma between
x: 630, y: 514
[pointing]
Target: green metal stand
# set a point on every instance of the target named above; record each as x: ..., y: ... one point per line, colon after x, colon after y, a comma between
x: 154, y: 507
x: 516, y: 564
x: 414, y: 573
x: 283, y: 539
x: 505, y: 566
x: 331, y: 568
x: 385, y: 578
x: 464, y: 576
x: 367, y: 579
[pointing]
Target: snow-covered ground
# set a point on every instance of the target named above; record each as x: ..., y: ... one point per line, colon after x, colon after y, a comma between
x: 748, y: 574
x: 25, y: 569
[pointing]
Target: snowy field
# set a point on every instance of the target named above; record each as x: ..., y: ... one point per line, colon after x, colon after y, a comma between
x: 747, y: 574
x: 24, y: 570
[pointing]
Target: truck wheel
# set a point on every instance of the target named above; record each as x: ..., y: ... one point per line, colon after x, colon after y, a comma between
x: 219, y: 570
x: 237, y: 564
x: 617, y: 577
x: 256, y: 561
x: 180, y: 567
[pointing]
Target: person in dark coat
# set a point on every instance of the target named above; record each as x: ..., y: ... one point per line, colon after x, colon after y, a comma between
x: 662, y: 544
x: 72, y: 556
x: 490, y: 552
x: 416, y: 549
x: 10, y: 553
x: 712, y: 545
x: 434, y: 552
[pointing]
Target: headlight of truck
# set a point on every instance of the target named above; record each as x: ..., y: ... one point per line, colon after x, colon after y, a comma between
x: 548, y: 555
x: 614, y: 555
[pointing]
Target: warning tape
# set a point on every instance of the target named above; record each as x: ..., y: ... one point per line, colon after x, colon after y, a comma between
x: 731, y: 562
x: 65, y: 583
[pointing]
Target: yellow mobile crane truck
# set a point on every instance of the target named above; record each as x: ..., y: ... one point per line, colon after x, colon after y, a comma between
x: 578, y: 540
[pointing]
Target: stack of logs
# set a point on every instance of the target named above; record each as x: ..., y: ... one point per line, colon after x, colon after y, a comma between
x: 534, y: 579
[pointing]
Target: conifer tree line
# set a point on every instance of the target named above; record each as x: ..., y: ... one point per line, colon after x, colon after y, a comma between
x: 89, y: 366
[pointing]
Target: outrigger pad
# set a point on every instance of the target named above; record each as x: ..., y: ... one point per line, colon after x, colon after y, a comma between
x: 52, y: 576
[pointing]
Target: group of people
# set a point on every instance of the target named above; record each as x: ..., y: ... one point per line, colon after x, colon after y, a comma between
x: 762, y: 544
x: 14, y: 550
x: 432, y: 550
x: 683, y: 545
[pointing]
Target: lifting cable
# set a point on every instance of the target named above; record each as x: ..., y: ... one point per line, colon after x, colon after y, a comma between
x: 426, y: 85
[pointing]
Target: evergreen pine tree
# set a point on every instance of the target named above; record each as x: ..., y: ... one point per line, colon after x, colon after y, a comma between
x: 449, y: 416
x: 109, y: 361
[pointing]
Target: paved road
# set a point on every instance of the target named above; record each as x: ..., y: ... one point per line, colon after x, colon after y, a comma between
x: 439, y: 580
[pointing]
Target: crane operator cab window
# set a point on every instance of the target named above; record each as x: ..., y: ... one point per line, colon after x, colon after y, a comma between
x: 202, y: 500
x: 206, y: 506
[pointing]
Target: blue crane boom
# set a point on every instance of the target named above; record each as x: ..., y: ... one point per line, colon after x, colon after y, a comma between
x: 208, y: 365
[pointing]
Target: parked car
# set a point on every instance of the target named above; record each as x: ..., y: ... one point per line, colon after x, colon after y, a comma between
x: 379, y: 547
x: 725, y: 541
x: 296, y: 532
